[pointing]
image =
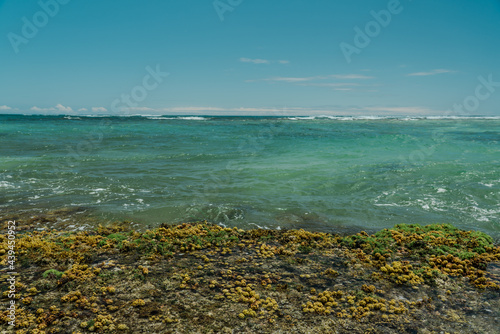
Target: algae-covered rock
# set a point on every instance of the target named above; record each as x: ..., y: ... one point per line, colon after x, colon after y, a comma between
x: 204, y: 278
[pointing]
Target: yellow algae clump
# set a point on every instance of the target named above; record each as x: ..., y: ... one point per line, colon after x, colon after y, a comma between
x: 27, y: 300
x: 401, y: 273
x: 122, y: 327
x: 249, y: 312
x: 368, y: 288
x: 330, y: 272
x: 144, y: 270
x: 80, y: 272
x: 138, y: 302
x: 72, y: 296
x: 266, y: 251
x: 324, y: 301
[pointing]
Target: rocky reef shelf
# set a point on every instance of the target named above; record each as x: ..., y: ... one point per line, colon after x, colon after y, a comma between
x: 203, y: 278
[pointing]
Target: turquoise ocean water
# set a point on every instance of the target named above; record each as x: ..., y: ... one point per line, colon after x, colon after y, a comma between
x: 321, y: 173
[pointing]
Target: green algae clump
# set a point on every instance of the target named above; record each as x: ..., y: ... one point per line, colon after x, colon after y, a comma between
x: 52, y: 273
x: 440, y: 247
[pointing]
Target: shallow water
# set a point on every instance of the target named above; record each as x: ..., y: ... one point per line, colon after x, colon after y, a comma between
x: 280, y: 172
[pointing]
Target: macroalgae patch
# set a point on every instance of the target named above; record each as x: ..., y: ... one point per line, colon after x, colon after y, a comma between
x: 204, y: 278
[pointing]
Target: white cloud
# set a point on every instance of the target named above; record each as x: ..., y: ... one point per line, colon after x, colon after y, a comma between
x: 60, y: 107
x: 173, y: 109
x: 432, y: 72
x: 255, y: 61
x: 195, y: 109
x: 313, y: 111
x: 35, y: 108
x: 270, y: 111
x: 341, y: 86
x: 289, y: 79
x: 5, y: 108
x: 83, y: 109
x: 317, y: 77
x: 263, y: 61
x: 402, y: 110
x: 329, y: 110
x: 331, y: 84
x: 295, y: 111
x: 99, y: 109
x: 350, y: 76
x: 142, y: 109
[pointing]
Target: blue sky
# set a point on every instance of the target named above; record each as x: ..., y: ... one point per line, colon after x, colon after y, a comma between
x: 250, y: 57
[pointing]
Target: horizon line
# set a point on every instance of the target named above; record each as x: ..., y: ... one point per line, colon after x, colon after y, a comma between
x: 251, y: 115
